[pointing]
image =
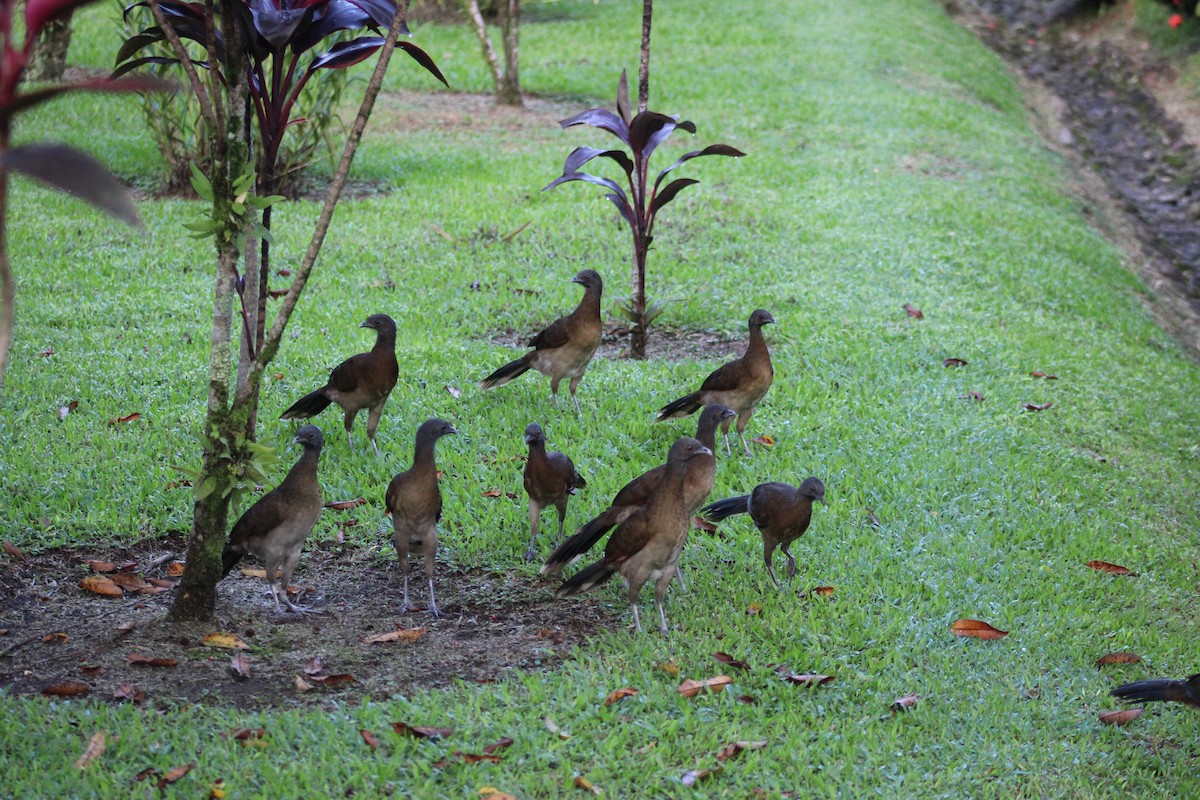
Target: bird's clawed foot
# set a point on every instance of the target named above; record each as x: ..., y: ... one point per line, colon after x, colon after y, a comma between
x: 791, y: 567
x: 530, y: 554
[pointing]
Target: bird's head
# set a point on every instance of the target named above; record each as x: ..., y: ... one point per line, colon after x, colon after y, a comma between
x: 435, y: 429
x: 310, y: 437
x: 588, y: 279
x: 379, y: 322
x: 761, y: 317
x: 814, y: 490
x: 533, y: 433
x: 685, y: 448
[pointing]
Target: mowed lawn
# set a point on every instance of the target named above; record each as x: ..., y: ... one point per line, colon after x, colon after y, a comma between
x: 890, y: 161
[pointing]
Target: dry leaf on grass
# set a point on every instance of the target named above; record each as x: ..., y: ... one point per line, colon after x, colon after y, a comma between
x: 619, y: 694
x: 127, y: 418
x: 766, y: 440
x: 817, y: 591
x: 346, y: 505
x: 904, y: 703
x: 101, y: 585
x: 913, y: 311
x: 67, y: 689
x: 370, y: 738
x: 737, y: 748
x: 143, y: 660
x: 1036, y: 406
x: 694, y: 776
x: 691, y: 688
x: 224, y: 641
x: 725, y: 658
x: 1111, y: 569
x: 953, y: 362
x: 1119, y: 657
x: 421, y: 731
x: 240, y: 666
x: 581, y: 782
x: 1123, y: 717
x: 398, y: 635
x: 94, y: 750
x: 977, y: 628
x: 174, y: 775
x: 129, y: 691
x: 804, y: 679
x: 102, y: 566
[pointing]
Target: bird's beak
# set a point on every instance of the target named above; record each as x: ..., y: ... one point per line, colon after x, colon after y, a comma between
x: 729, y: 413
x: 363, y: 325
x: 704, y: 451
x: 822, y: 499
x: 453, y: 429
x: 577, y: 279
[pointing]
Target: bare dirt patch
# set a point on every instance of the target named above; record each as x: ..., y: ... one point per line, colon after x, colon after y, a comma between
x: 665, y: 344
x: 458, y: 113
x: 492, y: 623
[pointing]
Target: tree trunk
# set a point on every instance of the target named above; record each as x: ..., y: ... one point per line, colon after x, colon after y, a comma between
x: 49, y: 61
x: 485, y: 43
x: 509, y: 91
x: 644, y: 68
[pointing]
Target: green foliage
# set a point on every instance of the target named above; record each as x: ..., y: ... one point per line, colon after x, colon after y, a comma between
x: 241, y: 218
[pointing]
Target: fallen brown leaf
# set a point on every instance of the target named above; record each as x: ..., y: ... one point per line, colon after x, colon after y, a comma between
x: 398, y: 635
x: 976, y: 628
x: 583, y: 783
x: 224, y: 641
x: 126, y: 627
x: 1117, y: 658
x: 766, y: 440
x: 694, y: 776
x: 240, y: 665
x: 346, y: 505
x: 246, y: 734
x: 175, y: 569
x: 334, y: 681
x: 369, y: 738
x: 13, y: 550
x: 253, y: 572
x: 68, y: 409
x: 302, y: 685
x: 1123, y: 717
x: 700, y: 523
x: 691, y: 688
x: 67, y: 689
x: 127, y: 418
x: 59, y: 637
x: 746, y: 699
x: 102, y: 585
x: 174, y: 775
x: 94, y: 750
x: 102, y: 566
x: 129, y: 691
x: 1112, y: 569
x: 972, y: 395
x: 91, y: 669
x: 421, y: 731
x: 725, y: 658
x: 162, y: 583
x: 128, y: 581
x: 143, y: 660
x: 503, y: 744
x: 493, y: 493
x: 49, y: 351
x: 737, y: 748
x: 953, y: 362
x: 314, y: 665
x: 1037, y: 407
x: 817, y: 591
x: 669, y: 667
x: 754, y: 609
x: 619, y: 694
x: 904, y: 703
x: 874, y: 519
x: 475, y: 758
x: 913, y: 311
x: 1037, y: 373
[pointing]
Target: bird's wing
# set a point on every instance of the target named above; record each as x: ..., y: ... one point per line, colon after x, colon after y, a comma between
x: 723, y: 378
x: 259, y: 520
x: 347, y: 375
x: 556, y: 334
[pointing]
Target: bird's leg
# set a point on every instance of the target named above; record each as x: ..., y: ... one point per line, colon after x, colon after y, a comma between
x: 273, y: 580
x: 289, y: 565
x: 637, y: 623
x: 725, y: 433
x: 791, y: 562
x: 404, y: 606
x: 554, y: 391
x: 662, y: 618
x: 573, y: 386
x: 433, y: 609
x: 742, y: 420
x: 372, y: 423
x: 679, y: 576
x: 660, y: 594
x: 768, y: 552
x: 431, y: 543
x: 348, y: 419
x: 535, y: 511
x: 402, y: 541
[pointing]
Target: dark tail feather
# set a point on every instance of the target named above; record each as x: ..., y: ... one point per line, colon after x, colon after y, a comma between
x: 680, y: 408
x: 509, y: 371
x: 308, y: 406
x: 581, y: 542
x: 229, y: 560
x: 1155, y: 689
x: 586, y: 579
x: 724, y: 509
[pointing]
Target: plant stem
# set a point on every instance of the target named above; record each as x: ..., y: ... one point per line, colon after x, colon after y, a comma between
x: 644, y: 68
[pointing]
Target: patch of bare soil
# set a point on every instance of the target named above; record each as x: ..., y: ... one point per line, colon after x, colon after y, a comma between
x: 56, y: 633
x: 457, y: 113
x: 666, y: 344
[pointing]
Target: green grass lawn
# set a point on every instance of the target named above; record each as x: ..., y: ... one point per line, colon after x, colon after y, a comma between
x: 890, y: 161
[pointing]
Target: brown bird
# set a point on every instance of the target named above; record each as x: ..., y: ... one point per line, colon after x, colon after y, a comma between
x: 361, y: 381
x: 1185, y: 691
x: 565, y: 347
x: 781, y: 513
x: 630, y: 497
x: 741, y: 384
x: 274, y: 528
x: 415, y: 503
x: 647, y: 544
x: 550, y: 479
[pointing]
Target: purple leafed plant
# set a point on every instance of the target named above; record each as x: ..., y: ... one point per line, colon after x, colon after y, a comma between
x: 55, y: 165
x: 642, y: 134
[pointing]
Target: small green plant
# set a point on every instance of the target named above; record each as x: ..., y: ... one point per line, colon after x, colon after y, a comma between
x: 642, y: 134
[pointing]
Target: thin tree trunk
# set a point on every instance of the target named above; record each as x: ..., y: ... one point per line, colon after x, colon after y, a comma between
x: 485, y: 42
x: 8, y: 287
x: 644, y: 68
x: 509, y: 91
x: 49, y: 61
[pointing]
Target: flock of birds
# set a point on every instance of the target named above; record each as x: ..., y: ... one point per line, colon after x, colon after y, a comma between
x: 650, y: 517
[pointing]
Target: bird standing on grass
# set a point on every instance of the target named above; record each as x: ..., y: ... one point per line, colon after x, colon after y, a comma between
x: 646, y: 546
x: 415, y: 503
x: 361, y: 381
x: 631, y: 497
x: 274, y: 528
x: 741, y: 384
x: 1185, y: 691
x: 565, y: 347
x: 780, y: 511
x: 550, y: 479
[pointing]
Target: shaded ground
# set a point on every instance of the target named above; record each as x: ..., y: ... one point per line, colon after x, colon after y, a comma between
x: 669, y: 345
x: 491, y: 623
x: 1115, y: 108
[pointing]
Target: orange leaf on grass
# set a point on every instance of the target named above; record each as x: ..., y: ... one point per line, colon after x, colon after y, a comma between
x: 766, y: 440
x: 1123, y: 717
x: 817, y: 591
x: 175, y: 569
x: 174, y: 775
x: 1111, y: 569
x: 581, y: 782
x: 1036, y: 406
x: 370, y: 738
x: 102, y: 585
x: 913, y: 311
x: 493, y: 493
x: 977, y: 628
x: 398, y: 635
x: 94, y: 750
x: 737, y: 748
x: 1119, y: 657
x: 346, y: 505
x: 691, y: 688
x: 102, y: 566
x: 619, y: 694
x: 127, y: 418
x: 904, y: 703
x: 67, y: 689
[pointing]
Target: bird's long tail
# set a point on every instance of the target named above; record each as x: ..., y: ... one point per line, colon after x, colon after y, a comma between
x: 308, y: 406
x: 1156, y: 689
x: 689, y: 404
x: 229, y: 560
x: 509, y: 371
x: 724, y: 509
x: 586, y: 579
x: 581, y: 541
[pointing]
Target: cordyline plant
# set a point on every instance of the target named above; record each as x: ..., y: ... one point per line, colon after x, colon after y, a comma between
x: 642, y: 133
x: 56, y: 165
x: 258, y: 62
x: 280, y: 37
